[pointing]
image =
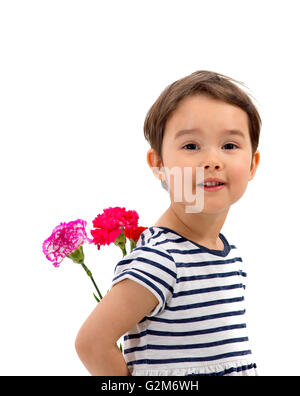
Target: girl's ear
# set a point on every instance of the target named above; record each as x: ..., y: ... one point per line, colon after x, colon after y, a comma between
x: 254, y: 164
x: 155, y: 163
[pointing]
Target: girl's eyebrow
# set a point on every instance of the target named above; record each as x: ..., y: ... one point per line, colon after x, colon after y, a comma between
x: 182, y: 132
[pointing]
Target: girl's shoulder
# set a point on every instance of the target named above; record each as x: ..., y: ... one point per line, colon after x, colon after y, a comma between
x: 151, y: 265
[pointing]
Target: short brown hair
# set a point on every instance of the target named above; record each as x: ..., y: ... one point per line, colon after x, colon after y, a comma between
x: 215, y: 85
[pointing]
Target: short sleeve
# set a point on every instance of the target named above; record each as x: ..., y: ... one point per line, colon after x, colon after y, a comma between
x: 153, y: 268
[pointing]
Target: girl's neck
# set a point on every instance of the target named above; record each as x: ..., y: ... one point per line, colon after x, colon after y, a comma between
x: 206, y: 232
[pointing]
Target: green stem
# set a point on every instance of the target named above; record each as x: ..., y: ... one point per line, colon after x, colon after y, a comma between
x: 91, y: 276
x: 123, y: 251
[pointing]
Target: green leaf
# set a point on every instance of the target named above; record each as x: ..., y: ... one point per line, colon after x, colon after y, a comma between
x: 96, y: 297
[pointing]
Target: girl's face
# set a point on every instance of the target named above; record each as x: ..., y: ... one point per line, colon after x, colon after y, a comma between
x: 209, y: 145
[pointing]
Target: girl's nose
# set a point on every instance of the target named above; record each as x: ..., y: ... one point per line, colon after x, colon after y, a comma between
x: 211, y: 161
x: 216, y: 166
x: 211, y: 165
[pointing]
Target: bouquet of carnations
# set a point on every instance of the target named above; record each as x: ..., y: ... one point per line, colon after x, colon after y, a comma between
x: 114, y: 225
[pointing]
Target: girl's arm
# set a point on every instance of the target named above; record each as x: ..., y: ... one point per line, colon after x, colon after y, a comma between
x: 119, y: 310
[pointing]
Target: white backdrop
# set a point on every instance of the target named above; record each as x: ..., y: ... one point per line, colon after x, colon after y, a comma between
x: 76, y: 81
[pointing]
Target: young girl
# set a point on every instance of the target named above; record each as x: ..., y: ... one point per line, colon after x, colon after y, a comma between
x: 178, y: 296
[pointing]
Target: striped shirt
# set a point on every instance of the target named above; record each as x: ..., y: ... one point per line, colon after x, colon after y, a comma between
x: 198, y: 326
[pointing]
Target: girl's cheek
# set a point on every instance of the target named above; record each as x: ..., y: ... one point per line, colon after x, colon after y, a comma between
x: 238, y: 177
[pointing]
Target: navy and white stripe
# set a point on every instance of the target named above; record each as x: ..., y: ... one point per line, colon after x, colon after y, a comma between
x: 198, y: 325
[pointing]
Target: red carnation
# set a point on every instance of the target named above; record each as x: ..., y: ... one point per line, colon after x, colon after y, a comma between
x: 134, y: 233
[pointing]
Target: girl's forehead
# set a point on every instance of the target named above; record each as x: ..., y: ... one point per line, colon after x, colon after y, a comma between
x: 198, y: 113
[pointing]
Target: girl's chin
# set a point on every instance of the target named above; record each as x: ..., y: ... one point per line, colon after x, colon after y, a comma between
x: 193, y: 207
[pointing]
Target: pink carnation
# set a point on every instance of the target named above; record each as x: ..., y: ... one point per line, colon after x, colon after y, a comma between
x: 115, y: 218
x: 65, y: 238
x: 109, y: 225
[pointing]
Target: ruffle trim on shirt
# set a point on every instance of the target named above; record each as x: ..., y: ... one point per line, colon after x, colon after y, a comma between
x: 236, y: 368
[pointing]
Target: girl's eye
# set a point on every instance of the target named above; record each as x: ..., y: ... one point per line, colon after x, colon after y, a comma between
x: 189, y: 144
x: 230, y: 144
x: 193, y: 145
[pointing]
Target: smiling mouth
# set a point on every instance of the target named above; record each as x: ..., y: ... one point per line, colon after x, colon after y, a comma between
x: 212, y: 187
x: 211, y: 184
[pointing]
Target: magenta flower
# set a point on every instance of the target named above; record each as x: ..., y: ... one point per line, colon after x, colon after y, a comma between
x: 65, y: 239
x: 110, y: 224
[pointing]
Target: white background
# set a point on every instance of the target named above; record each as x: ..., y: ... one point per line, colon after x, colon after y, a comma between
x: 76, y: 81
